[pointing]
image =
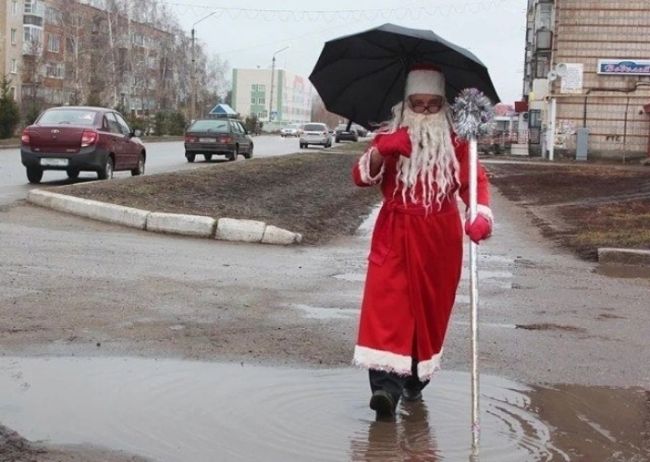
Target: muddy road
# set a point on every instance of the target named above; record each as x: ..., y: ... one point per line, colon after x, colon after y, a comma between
x: 76, y: 288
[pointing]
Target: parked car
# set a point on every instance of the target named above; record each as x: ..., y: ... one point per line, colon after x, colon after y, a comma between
x: 291, y: 130
x: 343, y: 134
x: 315, y: 133
x: 361, y: 131
x: 80, y: 138
x: 221, y: 137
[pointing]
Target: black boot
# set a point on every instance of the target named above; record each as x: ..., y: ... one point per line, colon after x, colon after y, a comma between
x: 383, y: 404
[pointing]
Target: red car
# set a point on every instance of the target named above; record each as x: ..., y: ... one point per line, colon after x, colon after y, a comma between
x: 78, y: 139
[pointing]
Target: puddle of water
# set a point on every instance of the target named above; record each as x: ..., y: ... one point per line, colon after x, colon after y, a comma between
x: 322, y: 313
x: 179, y: 411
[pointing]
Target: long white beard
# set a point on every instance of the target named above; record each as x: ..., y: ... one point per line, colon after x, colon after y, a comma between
x: 433, y: 161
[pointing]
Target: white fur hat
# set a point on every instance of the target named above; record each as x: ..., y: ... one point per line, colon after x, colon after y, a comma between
x: 426, y: 79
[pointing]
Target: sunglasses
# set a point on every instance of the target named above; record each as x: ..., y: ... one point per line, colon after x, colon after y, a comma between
x: 431, y: 106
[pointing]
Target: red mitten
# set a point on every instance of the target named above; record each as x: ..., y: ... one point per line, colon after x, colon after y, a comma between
x: 392, y: 144
x: 479, y: 229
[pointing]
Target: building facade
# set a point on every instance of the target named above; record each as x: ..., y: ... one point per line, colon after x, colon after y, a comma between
x: 285, y: 98
x: 60, y: 52
x: 587, y: 77
x: 11, y: 43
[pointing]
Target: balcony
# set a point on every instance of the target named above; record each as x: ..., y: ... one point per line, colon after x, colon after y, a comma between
x: 32, y: 40
x: 33, y: 13
x: 544, y: 40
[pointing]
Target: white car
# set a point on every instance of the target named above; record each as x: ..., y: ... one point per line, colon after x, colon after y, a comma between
x: 315, y: 133
x: 291, y: 130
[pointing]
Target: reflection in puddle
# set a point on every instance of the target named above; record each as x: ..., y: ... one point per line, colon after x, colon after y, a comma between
x: 192, y: 411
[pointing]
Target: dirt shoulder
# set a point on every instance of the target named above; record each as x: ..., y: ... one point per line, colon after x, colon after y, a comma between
x: 309, y: 193
x: 581, y: 206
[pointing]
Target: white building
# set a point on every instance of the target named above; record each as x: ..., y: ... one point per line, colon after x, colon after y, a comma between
x: 11, y: 41
x: 286, y: 97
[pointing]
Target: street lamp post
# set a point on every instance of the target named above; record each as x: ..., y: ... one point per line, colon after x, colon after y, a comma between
x: 272, y: 83
x: 193, y: 68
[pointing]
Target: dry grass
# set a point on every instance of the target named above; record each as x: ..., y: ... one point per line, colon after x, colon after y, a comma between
x: 600, y: 205
x: 312, y: 193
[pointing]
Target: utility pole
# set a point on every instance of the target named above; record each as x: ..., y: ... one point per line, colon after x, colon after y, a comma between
x: 193, y: 69
x: 193, y: 81
x: 273, y: 83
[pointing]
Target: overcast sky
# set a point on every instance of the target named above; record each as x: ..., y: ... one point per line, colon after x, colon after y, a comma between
x: 247, y: 33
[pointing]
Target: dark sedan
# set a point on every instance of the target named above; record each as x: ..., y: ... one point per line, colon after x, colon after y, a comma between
x: 343, y: 134
x: 78, y: 139
x: 222, y: 137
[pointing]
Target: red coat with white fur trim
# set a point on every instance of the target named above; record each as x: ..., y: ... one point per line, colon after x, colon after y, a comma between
x: 414, y: 268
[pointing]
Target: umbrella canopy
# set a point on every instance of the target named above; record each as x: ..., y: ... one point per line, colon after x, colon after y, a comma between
x: 362, y: 76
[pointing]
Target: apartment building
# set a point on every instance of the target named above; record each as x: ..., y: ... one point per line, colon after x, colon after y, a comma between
x: 11, y: 43
x: 80, y: 51
x: 291, y: 94
x: 587, y: 77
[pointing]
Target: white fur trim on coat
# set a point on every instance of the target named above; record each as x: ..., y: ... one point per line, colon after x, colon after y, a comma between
x: 382, y: 360
x: 425, y: 81
x: 427, y: 368
x: 364, y: 169
x: 400, y: 364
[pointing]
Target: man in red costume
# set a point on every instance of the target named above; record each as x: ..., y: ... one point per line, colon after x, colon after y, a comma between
x: 416, y: 252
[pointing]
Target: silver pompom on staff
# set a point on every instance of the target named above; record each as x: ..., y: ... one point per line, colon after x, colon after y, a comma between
x: 472, y: 112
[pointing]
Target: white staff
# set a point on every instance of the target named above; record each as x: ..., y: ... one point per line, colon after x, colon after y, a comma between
x: 472, y: 112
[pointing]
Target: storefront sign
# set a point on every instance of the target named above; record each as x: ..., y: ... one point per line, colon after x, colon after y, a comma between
x: 624, y: 66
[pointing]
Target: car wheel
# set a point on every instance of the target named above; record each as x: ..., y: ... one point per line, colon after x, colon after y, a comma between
x: 107, y: 172
x: 208, y: 157
x: 73, y: 174
x: 140, y: 169
x: 337, y: 140
x: 34, y: 175
x: 249, y: 154
x: 190, y: 157
x: 233, y: 155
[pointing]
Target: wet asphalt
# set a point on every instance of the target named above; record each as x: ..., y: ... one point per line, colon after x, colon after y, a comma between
x: 563, y: 348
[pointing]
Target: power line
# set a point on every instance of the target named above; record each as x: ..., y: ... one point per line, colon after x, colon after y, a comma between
x: 401, y: 12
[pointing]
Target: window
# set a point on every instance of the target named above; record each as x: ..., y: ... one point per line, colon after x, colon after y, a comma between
x: 113, y: 124
x: 14, y: 66
x: 261, y: 100
x: 32, y: 7
x: 68, y: 116
x: 12, y: 93
x: 14, y: 36
x: 14, y: 8
x: 32, y: 37
x: 54, y: 71
x: 53, y: 16
x: 125, y: 127
x: 53, y: 43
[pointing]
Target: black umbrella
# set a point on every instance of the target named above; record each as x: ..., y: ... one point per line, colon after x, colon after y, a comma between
x: 362, y: 76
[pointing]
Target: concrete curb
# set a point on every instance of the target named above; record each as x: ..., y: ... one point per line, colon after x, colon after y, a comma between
x: 175, y: 223
x: 229, y: 229
x: 117, y: 214
x: 624, y: 256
